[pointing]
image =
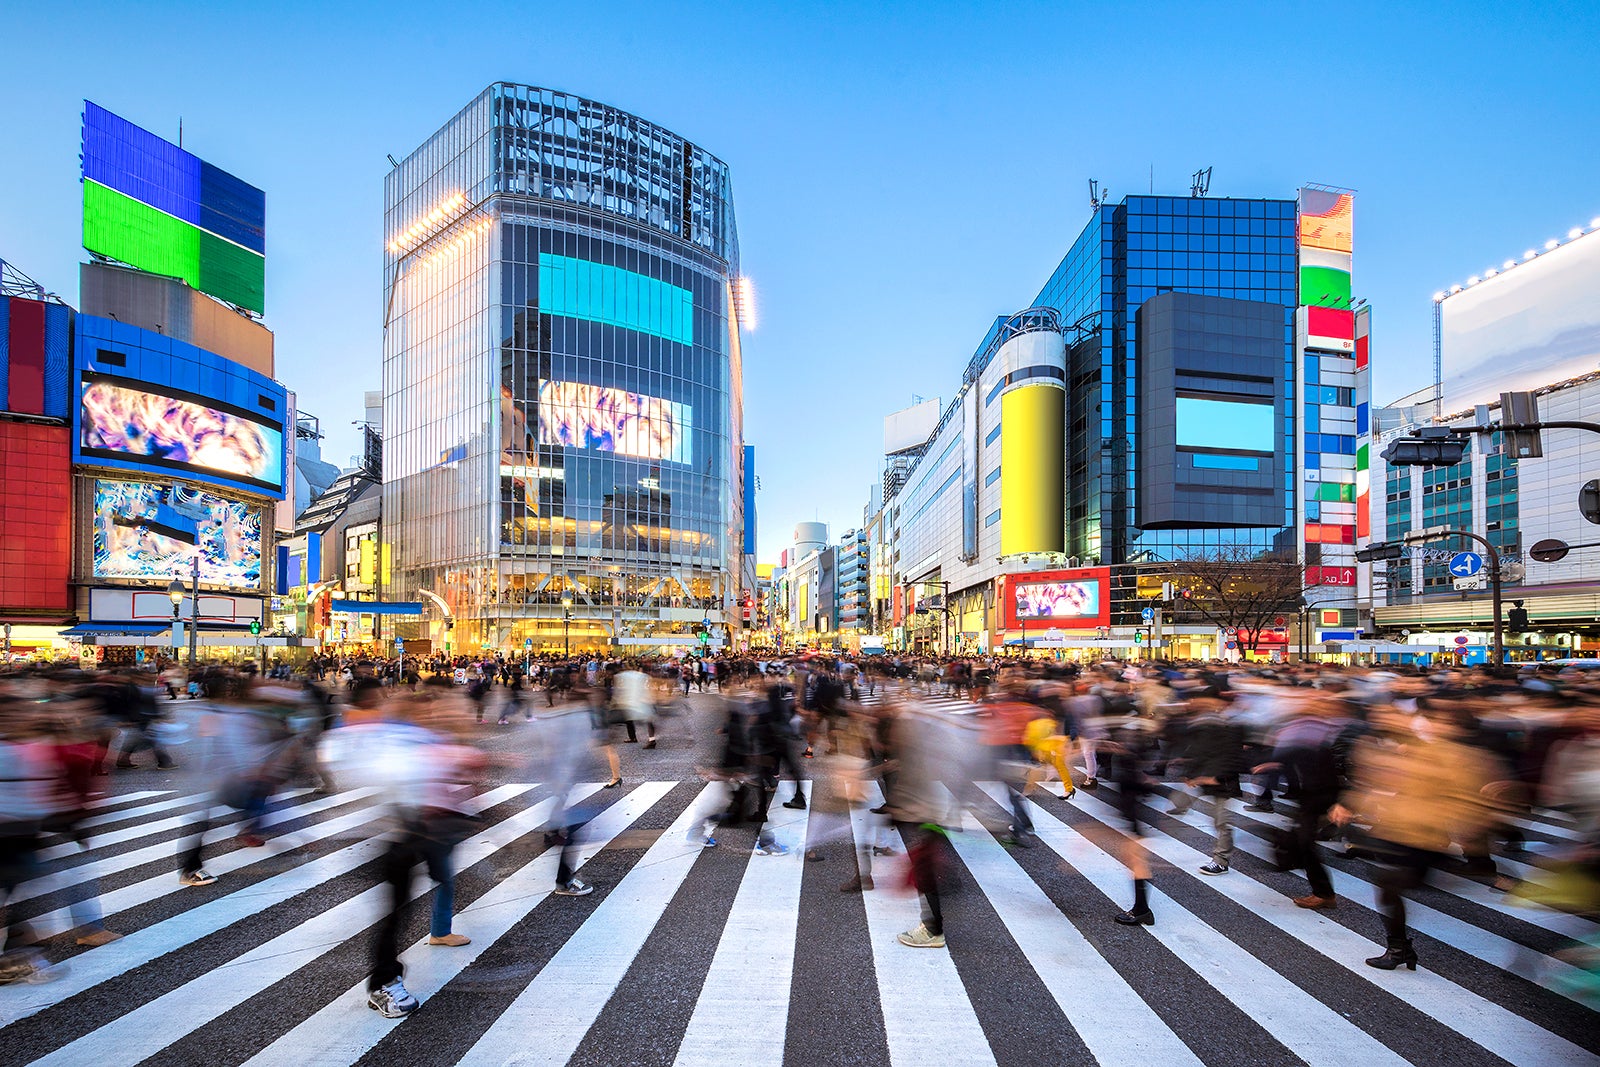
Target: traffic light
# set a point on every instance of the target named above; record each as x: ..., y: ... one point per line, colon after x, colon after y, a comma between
x: 255, y: 626
x: 1520, y: 409
x: 1517, y: 620
x: 1138, y: 637
x: 1433, y: 446
x: 1379, y: 550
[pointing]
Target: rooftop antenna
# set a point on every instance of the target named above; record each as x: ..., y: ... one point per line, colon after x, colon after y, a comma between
x: 1097, y: 195
x: 1200, y: 185
x: 180, y: 131
x: 393, y: 162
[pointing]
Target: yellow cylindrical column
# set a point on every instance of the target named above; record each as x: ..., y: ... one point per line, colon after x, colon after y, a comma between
x: 1032, y: 424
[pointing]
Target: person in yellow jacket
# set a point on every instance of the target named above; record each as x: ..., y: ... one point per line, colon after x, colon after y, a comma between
x: 1050, y: 747
x: 1420, y: 788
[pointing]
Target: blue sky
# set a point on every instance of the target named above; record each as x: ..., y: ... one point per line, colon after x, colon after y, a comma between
x: 902, y: 172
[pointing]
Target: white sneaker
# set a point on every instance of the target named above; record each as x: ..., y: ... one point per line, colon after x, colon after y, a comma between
x: 576, y: 887
x: 197, y: 878
x: 771, y: 848
x: 919, y: 937
x: 392, y: 1001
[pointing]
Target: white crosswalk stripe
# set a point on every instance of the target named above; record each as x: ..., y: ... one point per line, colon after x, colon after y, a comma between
x: 1498, y: 1029
x: 750, y: 974
x: 203, y: 953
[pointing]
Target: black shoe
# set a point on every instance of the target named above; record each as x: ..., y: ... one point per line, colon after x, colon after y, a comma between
x: 1135, y: 918
x: 798, y: 803
x: 881, y: 809
x: 1260, y: 805
x: 650, y: 743
x: 1401, y: 955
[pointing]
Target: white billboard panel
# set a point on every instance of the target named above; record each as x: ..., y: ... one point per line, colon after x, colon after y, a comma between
x: 1533, y: 325
x: 910, y: 427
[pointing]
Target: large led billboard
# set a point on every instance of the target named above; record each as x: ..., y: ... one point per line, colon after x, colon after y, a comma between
x: 142, y: 531
x: 119, y: 421
x: 1071, y: 599
x: 1532, y: 325
x: 1225, y: 425
x: 150, y: 204
x: 573, y: 415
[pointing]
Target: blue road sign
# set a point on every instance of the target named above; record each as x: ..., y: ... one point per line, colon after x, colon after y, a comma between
x: 1148, y: 614
x: 1465, y: 564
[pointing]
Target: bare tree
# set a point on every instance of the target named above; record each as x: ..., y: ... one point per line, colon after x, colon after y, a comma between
x: 1239, y: 589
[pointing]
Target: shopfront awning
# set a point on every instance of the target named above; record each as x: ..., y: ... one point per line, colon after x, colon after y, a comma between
x: 377, y: 607
x: 116, y: 629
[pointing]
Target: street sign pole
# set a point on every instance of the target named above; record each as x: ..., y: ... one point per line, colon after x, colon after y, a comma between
x: 1436, y: 532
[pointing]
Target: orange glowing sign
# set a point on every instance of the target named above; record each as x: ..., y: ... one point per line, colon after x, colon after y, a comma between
x: 1326, y: 220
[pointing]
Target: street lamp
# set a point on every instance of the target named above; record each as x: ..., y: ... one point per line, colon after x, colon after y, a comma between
x: 175, y: 591
x: 566, y: 624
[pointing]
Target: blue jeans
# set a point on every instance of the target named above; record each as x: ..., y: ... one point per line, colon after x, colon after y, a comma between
x: 436, y: 854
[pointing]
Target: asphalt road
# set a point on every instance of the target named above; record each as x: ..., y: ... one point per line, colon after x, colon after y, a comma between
x: 687, y: 954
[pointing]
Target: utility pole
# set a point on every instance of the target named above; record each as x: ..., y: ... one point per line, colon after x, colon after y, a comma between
x: 1389, y: 550
x: 194, y: 610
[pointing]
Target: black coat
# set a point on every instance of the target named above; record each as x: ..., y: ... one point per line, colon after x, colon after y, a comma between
x: 1213, y: 747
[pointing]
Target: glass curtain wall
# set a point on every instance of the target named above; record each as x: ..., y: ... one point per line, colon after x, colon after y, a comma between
x: 565, y: 383
x: 1244, y: 249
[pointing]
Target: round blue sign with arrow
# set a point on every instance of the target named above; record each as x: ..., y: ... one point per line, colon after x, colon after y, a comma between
x: 1465, y: 564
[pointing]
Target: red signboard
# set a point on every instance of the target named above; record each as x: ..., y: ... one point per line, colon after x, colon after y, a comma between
x: 35, y: 516
x: 1075, y: 599
x: 1268, y: 639
x: 1330, y: 576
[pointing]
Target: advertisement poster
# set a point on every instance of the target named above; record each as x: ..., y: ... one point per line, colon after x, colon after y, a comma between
x: 122, y: 421
x: 140, y: 532
x: 598, y: 417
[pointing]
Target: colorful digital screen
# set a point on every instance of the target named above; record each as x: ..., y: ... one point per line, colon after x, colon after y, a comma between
x: 1225, y: 425
x: 1326, y: 219
x: 119, y: 421
x: 143, y: 531
x: 614, y: 420
x: 1057, y: 600
x: 148, y: 203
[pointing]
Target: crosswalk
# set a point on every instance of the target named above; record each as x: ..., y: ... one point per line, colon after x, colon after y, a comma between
x: 690, y: 955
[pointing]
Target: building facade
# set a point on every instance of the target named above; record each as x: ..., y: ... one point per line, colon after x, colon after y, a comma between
x: 35, y: 466
x: 1515, y: 503
x: 1191, y: 380
x: 562, y: 377
x: 1530, y: 323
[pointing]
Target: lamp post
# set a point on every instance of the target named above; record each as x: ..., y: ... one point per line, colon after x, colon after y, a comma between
x: 194, y: 610
x: 566, y: 625
x: 175, y: 591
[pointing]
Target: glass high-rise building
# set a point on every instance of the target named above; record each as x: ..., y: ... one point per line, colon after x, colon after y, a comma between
x: 1191, y: 381
x: 562, y: 379
x: 1147, y: 245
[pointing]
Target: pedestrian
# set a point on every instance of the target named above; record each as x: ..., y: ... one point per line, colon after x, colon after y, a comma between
x: 1421, y: 789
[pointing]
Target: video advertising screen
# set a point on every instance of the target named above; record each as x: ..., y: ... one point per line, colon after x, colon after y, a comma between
x: 614, y: 420
x: 1228, y: 425
x: 1057, y: 600
x: 118, y: 420
x: 141, y: 530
